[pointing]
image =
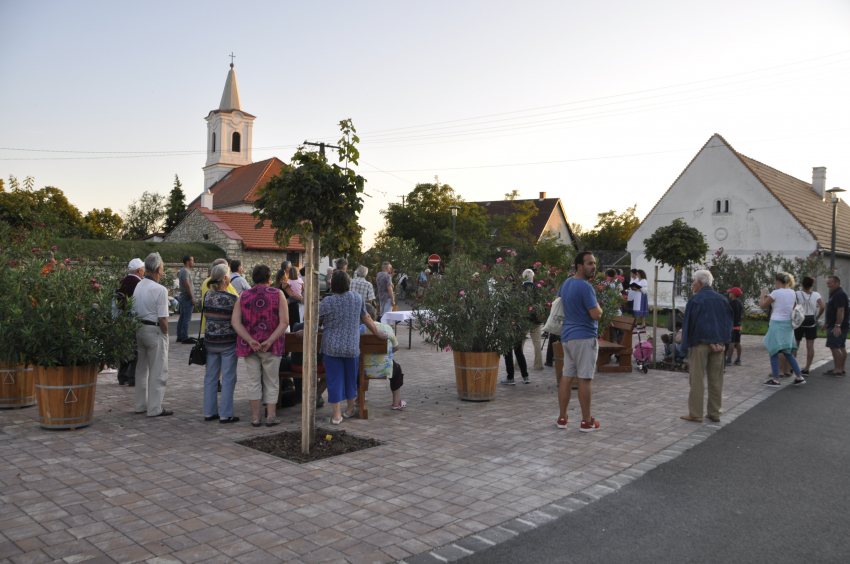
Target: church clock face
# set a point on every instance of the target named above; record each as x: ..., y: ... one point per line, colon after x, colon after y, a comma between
x: 237, y: 118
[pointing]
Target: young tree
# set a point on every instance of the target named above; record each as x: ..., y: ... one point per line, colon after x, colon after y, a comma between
x: 23, y: 206
x: 176, y: 208
x: 144, y: 216
x: 612, y: 230
x: 676, y: 246
x: 315, y: 200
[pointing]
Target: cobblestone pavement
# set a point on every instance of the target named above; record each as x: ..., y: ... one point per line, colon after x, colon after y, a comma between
x: 176, y: 489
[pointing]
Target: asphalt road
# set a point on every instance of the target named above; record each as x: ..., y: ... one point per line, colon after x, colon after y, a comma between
x: 772, y: 487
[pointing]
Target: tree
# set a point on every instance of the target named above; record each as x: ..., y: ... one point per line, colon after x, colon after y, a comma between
x: 103, y: 224
x: 144, y: 216
x: 176, y: 208
x: 676, y: 246
x: 612, y: 230
x: 550, y: 250
x: 404, y: 256
x: 314, y: 199
x: 426, y: 219
x: 23, y: 206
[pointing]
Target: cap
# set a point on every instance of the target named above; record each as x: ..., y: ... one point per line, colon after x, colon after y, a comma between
x: 427, y: 271
x: 737, y: 291
x: 136, y: 264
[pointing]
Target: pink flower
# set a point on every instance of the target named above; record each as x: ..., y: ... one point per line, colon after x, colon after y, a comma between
x: 539, y: 285
x: 462, y: 293
x: 96, y: 286
x: 607, y: 278
x: 536, y: 264
x: 499, y: 259
x: 448, y: 349
x: 93, y: 280
x: 600, y: 287
x: 549, y: 304
x: 512, y: 323
x: 67, y: 261
x: 35, y: 249
x: 513, y: 253
x: 54, y: 247
x: 530, y: 308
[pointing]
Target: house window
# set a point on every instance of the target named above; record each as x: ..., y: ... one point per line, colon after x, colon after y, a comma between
x: 722, y: 206
x: 237, y: 143
x: 725, y: 206
x: 213, y: 143
x: 716, y: 206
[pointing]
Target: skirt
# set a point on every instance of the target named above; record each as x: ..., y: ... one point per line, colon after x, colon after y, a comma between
x: 641, y: 305
x: 780, y: 337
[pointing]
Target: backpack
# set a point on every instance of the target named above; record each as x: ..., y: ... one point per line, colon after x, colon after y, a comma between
x: 798, y: 315
x: 556, y: 318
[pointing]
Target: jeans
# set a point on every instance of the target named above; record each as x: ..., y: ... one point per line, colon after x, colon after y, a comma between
x: 226, y: 363
x: 774, y: 364
x: 186, y: 308
x: 520, y: 360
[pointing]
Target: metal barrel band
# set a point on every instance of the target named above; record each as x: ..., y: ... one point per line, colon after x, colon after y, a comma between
x: 15, y: 369
x: 65, y: 387
x: 90, y: 415
x: 13, y: 399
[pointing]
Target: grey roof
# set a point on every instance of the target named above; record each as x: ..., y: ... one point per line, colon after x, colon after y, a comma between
x: 230, y: 96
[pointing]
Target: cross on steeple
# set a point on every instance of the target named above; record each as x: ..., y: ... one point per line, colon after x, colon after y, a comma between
x: 232, y: 56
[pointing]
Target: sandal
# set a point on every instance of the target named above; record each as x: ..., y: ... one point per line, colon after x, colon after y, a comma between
x: 401, y: 405
x: 833, y: 373
x: 347, y: 416
x: 272, y: 422
x: 256, y: 422
x: 335, y: 421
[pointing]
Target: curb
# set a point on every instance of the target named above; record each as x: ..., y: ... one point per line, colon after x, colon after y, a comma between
x: 548, y: 513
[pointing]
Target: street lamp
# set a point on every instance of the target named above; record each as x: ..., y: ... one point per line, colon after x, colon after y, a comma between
x: 835, y: 199
x: 454, y: 222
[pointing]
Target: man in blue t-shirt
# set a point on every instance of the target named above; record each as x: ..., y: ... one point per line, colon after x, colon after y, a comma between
x: 579, y: 339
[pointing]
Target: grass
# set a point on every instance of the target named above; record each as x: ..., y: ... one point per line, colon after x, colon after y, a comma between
x: 748, y: 327
x: 97, y: 249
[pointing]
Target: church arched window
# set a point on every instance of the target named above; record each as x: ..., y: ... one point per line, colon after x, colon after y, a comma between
x: 237, y: 142
x: 213, y: 143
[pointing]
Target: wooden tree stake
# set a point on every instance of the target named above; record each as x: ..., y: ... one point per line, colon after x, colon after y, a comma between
x: 308, y: 388
x: 655, y: 322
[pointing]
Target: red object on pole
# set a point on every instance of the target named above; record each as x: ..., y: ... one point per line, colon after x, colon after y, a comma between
x: 433, y: 259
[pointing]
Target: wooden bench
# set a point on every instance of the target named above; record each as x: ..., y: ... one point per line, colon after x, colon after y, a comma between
x: 369, y: 344
x: 624, y: 349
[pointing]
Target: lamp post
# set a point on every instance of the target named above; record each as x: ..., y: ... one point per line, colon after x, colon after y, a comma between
x: 835, y: 199
x: 454, y: 222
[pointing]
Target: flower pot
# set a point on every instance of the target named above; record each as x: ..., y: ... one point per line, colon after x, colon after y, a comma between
x: 16, y: 386
x: 65, y: 396
x: 476, y: 375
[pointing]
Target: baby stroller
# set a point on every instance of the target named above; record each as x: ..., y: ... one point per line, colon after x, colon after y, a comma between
x: 643, y: 353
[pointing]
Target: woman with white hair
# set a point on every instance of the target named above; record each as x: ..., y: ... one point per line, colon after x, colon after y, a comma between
x: 780, y: 332
x: 220, y: 342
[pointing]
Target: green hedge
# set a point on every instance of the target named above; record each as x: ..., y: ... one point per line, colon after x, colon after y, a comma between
x: 94, y: 249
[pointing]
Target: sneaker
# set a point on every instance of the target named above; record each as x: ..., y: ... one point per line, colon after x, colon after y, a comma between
x: 799, y: 381
x: 525, y: 380
x: 771, y: 383
x: 728, y: 361
x: 562, y: 422
x: 589, y: 427
x: 509, y: 382
x: 737, y: 362
x: 804, y: 372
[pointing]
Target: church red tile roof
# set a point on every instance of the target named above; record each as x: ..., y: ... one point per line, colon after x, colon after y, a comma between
x: 241, y: 184
x: 240, y: 226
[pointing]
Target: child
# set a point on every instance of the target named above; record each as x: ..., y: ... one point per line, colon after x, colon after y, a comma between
x: 737, y: 316
x: 669, y: 347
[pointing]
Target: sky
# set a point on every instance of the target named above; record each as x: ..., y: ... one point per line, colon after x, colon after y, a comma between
x: 601, y: 104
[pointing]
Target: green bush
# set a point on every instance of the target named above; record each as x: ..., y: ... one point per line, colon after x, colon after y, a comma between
x: 95, y: 249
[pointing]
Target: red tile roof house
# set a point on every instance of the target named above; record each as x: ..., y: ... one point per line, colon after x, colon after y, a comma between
x: 747, y: 207
x: 550, y: 217
x: 222, y: 214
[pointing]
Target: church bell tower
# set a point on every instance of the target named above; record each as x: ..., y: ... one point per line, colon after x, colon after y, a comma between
x: 229, y: 134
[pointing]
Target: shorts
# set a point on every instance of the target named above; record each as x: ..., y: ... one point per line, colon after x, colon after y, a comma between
x: 736, y: 336
x: 834, y: 342
x: 810, y: 333
x: 580, y: 358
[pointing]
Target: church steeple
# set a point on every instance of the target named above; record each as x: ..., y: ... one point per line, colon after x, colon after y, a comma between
x: 230, y: 96
x: 229, y: 134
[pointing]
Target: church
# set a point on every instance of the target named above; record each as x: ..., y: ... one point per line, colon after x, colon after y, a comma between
x: 222, y: 213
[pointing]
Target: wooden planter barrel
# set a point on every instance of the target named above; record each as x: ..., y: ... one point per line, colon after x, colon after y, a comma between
x: 476, y: 375
x: 17, y: 386
x: 65, y: 396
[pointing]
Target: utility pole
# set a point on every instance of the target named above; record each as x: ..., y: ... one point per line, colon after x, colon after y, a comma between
x: 402, y: 200
x: 321, y: 147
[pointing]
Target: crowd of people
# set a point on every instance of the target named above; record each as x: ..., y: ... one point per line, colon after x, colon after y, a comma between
x: 239, y: 320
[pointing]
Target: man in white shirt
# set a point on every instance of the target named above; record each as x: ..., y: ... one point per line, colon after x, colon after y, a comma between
x: 151, y: 306
x: 237, y: 279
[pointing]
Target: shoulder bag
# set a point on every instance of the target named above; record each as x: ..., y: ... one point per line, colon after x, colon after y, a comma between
x: 198, y: 355
x: 798, y: 314
x: 555, y: 322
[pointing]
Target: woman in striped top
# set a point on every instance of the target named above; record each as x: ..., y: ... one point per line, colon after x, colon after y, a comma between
x: 220, y: 341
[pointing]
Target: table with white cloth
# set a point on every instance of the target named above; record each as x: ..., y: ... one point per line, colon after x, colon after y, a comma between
x: 403, y: 317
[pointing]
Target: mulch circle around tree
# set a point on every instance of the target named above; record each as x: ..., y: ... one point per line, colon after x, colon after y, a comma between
x: 287, y: 445
x: 668, y: 367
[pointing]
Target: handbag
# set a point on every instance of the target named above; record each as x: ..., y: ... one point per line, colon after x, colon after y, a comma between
x: 198, y: 355
x: 555, y: 322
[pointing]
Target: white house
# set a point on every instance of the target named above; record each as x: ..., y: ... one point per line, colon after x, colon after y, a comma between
x: 745, y: 207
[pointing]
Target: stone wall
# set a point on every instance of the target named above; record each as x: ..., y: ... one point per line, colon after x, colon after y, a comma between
x: 196, y: 225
